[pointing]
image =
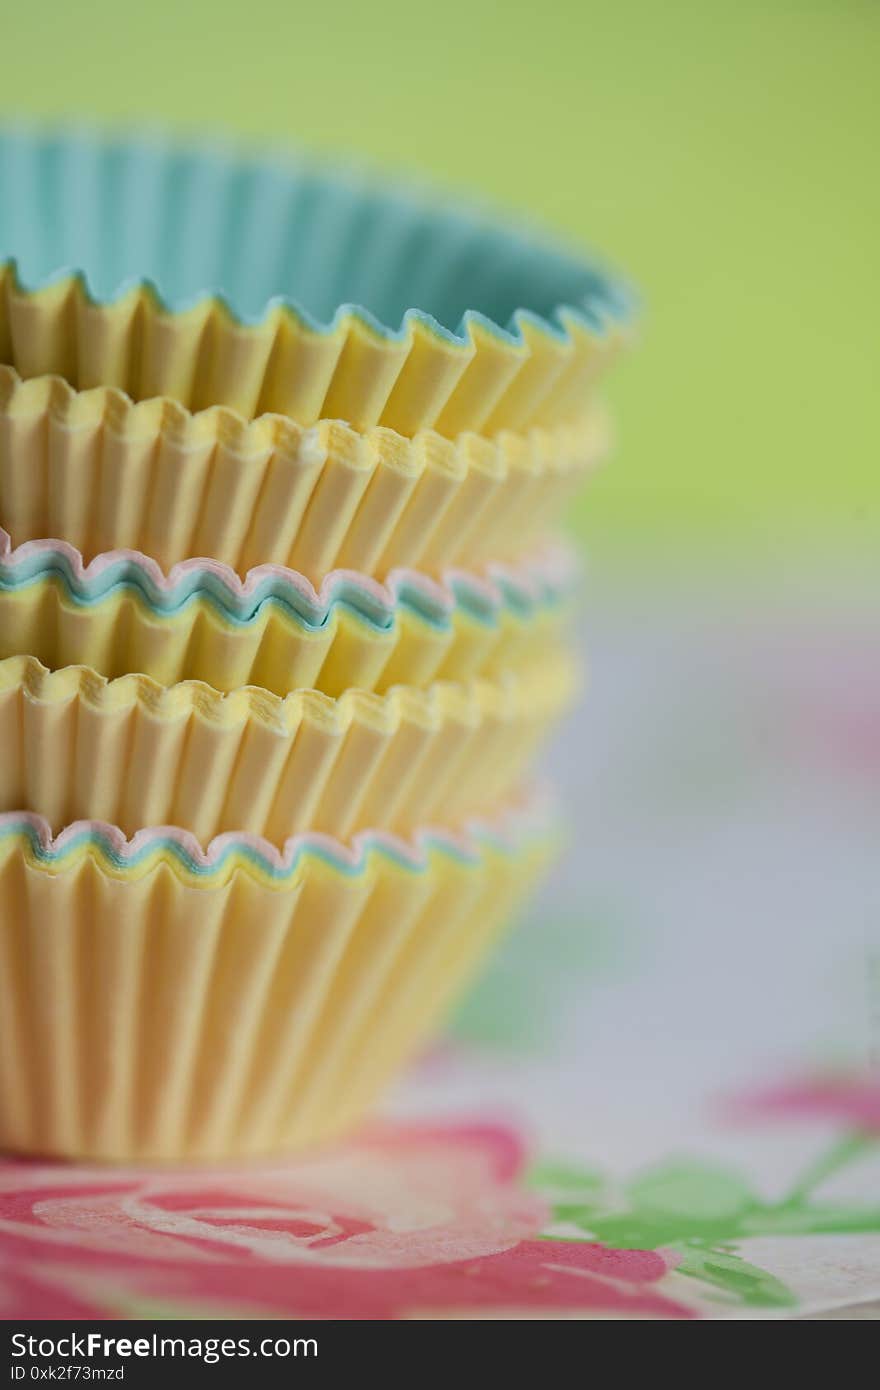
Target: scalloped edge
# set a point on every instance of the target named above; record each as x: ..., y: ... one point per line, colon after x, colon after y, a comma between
x: 550, y: 448
x: 211, y: 866
x: 539, y: 583
x: 508, y: 697
x: 312, y: 499
x: 190, y: 757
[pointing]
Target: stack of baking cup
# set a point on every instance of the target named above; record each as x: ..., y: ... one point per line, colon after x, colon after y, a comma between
x: 282, y: 628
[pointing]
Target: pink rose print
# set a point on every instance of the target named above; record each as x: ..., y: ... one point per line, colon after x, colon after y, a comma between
x: 849, y: 1099
x: 403, y: 1222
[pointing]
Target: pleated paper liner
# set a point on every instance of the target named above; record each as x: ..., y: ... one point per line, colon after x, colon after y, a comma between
x: 273, y: 286
x: 122, y: 614
x: 158, y: 1002
x: 130, y: 752
x: 95, y: 470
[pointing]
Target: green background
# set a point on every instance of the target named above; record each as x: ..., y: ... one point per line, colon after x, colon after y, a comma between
x: 725, y: 155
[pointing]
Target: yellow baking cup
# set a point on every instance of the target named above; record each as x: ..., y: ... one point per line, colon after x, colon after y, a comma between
x: 75, y: 746
x: 278, y: 285
x: 123, y: 614
x: 94, y: 469
x: 161, y: 1002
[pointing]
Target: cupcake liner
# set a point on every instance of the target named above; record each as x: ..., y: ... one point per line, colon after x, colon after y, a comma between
x: 133, y: 753
x: 122, y: 613
x: 158, y: 1001
x: 103, y: 473
x: 109, y: 251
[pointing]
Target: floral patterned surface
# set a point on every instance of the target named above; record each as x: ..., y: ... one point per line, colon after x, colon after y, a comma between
x: 410, y: 1222
x: 421, y: 1222
x: 674, y: 1064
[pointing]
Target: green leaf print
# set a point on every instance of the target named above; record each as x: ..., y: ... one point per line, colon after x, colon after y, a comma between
x: 700, y: 1210
x: 691, y: 1195
x: 725, y: 1270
